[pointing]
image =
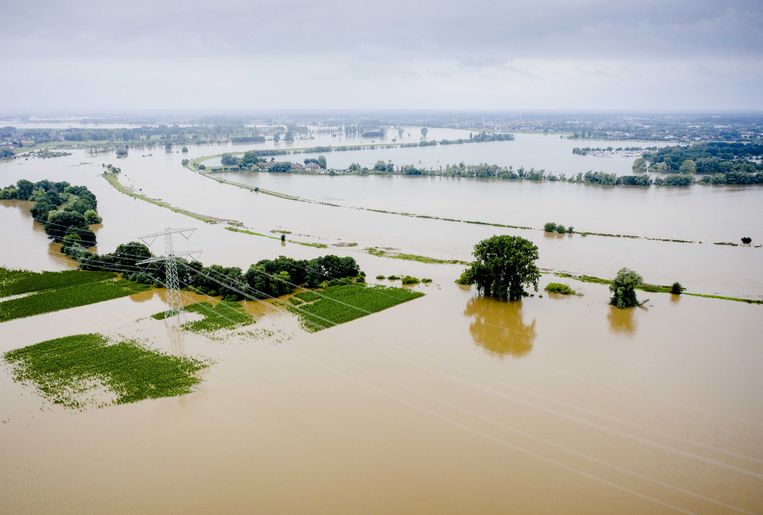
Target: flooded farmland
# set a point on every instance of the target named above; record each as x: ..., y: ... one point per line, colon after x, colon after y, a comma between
x: 449, y: 403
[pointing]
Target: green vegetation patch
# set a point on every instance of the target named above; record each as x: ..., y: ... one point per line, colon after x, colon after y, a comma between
x: 65, y: 369
x: 656, y: 288
x: 16, y: 282
x: 560, y: 288
x: 223, y: 315
x: 67, y: 297
x: 307, y: 296
x: 339, y: 304
x: 379, y: 252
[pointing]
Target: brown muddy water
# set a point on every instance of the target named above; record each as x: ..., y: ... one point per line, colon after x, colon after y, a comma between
x: 448, y: 404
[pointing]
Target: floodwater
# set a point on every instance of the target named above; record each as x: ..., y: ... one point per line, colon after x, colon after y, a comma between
x: 447, y: 404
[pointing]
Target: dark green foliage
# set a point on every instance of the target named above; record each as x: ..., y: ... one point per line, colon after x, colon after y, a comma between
x: 623, y: 289
x: 677, y: 289
x: 64, y: 368
x: 280, y: 167
x: 710, y: 158
x: 339, y: 304
x: 379, y: 277
x: 634, y: 180
x: 230, y: 160
x: 746, y: 240
x: 674, y: 180
x: 503, y: 267
x: 560, y: 288
x: 64, y: 209
x: 557, y: 228
x: 409, y: 280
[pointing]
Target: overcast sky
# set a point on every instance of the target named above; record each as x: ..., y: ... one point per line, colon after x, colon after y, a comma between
x: 96, y: 55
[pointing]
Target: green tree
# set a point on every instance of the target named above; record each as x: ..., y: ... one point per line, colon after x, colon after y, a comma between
x: 639, y: 165
x: 623, y: 289
x: 61, y: 222
x: 503, y: 267
x: 688, y: 166
x: 92, y: 217
x: 25, y: 188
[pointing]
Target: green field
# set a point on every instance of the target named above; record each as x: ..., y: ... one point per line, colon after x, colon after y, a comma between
x: 339, y: 304
x: 223, y: 315
x: 65, y: 370
x: 16, y: 282
x: 54, y: 291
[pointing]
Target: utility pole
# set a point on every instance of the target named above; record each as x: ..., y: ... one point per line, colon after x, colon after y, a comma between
x: 169, y: 258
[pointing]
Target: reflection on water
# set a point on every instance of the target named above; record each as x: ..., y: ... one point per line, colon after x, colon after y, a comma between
x: 622, y: 321
x: 498, y: 326
x: 175, y: 335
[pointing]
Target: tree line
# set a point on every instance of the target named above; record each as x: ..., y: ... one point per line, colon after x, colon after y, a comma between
x: 66, y: 211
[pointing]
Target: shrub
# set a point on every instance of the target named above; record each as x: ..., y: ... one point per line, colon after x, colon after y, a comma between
x: 393, y: 277
x: 677, y: 289
x: 426, y: 280
x: 560, y: 288
x: 557, y: 228
x: 409, y: 280
x: 380, y: 277
x: 746, y: 240
x: 623, y: 289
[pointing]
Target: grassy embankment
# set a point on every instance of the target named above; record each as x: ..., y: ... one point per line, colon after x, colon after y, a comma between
x: 389, y: 253
x: 54, y: 291
x: 654, y: 288
x: 339, y: 304
x: 113, y: 179
x: 270, y: 236
x: 65, y: 370
x: 222, y: 315
x: 233, y: 225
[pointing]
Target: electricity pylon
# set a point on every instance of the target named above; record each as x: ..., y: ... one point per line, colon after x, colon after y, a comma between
x: 169, y: 258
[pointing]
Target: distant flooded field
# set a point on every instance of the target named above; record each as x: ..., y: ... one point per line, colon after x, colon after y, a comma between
x: 447, y: 403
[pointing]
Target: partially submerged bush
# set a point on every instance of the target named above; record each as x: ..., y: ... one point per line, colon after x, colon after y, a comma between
x: 560, y: 288
x: 623, y: 289
x: 557, y: 228
x: 410, y: 280
x: 746, y: 240
x: 676, y: 289
x: 380, y: 277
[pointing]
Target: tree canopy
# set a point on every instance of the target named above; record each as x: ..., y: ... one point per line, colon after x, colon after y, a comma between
x: 623, y: 289
x: 503, y: 267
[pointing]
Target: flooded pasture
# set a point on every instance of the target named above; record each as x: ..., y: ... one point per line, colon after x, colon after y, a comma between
x: 448, y: 403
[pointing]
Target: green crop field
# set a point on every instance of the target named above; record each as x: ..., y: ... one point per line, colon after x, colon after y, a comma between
x: 339, y: 304
x: 223, y: 315
x: 57, y: 299
x: 16, y: 282
x: 65, y: 369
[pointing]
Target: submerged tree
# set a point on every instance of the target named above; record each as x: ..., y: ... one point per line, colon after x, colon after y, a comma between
x: 623, y: 289
x: 503, y: 267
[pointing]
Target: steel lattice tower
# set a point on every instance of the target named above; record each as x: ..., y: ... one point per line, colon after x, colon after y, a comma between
x: 169, y: 258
